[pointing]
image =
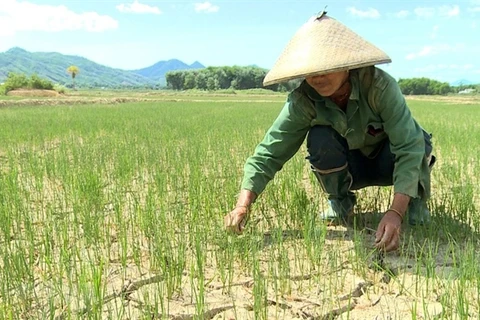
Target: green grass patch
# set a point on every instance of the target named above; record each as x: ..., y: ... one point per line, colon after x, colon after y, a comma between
x: 116, y: 211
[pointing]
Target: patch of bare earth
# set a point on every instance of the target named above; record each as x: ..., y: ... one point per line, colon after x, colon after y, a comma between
x: 323, y: 293
x: 68, y: 100
x: 342, y: 284
x: 458, y: 99
x: 33, y: 93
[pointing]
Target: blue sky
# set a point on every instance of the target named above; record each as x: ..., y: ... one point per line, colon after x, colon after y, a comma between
x: 436, y: 39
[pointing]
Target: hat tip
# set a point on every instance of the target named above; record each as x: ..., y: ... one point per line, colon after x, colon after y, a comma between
x: 321, y: 14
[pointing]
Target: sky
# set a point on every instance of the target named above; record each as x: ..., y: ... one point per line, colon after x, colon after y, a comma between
x: 436, y: 39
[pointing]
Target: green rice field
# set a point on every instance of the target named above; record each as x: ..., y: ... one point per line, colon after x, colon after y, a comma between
x: 115, y: 211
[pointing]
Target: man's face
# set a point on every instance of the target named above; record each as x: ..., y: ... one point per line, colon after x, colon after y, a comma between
x: 327, y: 84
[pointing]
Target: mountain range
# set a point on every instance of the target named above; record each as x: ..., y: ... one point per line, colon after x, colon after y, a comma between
x: 462, y: 82
x: 53, y: 66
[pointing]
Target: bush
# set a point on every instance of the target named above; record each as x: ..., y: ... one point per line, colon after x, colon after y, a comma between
x: 59, y: 88
x: 17, y: 81
x: 36, y: 82
x: 3, y: 90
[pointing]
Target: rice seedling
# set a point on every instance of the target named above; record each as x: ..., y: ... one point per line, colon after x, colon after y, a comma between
x: 116, y: 212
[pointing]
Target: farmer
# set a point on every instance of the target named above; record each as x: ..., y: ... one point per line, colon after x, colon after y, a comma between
x: 358, y: 128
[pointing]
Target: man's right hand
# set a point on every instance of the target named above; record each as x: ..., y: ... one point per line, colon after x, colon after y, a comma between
x: 236, y: 220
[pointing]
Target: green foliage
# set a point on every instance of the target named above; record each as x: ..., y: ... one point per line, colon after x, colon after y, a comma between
x: 176, y: 80
x: 17, y: 81
x: 424, y: 86
x: 36, y: 82
x: 221, y: 78
x: 189, y: 82
x: 59, y: 88
x: 475, y: 87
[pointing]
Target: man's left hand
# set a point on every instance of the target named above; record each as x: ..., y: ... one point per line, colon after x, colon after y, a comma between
x: 387, y: 236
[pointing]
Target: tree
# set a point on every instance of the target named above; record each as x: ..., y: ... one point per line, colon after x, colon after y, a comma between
x: 73, y: 71
x: 16, y: 81
x: 427, y: 86
x: 201, y: 81
x: 175, y: 79
x: 189, y: 81
x: 217, y: 78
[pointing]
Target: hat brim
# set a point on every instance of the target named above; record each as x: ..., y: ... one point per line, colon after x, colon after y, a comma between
x: 321, y: 46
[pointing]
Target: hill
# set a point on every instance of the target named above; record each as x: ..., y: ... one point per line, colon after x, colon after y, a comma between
x: 462, y: 82
x: 53, y: 66
x: 157, y: 71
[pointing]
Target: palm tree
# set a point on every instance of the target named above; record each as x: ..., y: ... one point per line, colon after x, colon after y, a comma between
x: 73, y: 71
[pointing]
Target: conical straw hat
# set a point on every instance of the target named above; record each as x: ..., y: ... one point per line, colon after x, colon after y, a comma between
x: 323, y: 45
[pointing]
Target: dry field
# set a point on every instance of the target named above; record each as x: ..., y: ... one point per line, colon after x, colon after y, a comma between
x: 115, y: 211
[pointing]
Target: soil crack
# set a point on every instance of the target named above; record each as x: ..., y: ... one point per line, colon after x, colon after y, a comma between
x: 209, y: 314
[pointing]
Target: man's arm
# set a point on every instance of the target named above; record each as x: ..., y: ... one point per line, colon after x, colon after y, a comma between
x: 408, y: 145
x: 280, y: 143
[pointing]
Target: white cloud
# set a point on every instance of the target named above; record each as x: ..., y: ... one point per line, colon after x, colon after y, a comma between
x: 370, y: 13
x: 449, y: 11
x: 402, y: 14
x: 474, y: 9
x: 427, y: 51
x: 474, y: 25
x: 206, y: 7
x: 424, y: 12
x: 137, y: 7
x: 25, y: 16
x: 443, y: 11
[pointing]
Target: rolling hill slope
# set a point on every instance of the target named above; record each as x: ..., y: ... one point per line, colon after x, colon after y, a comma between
x: 157, y: 71
x: 53, y: 66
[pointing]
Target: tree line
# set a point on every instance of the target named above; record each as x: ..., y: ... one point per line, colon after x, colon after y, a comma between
x: 425, y: 86
x: 236, y: 78
x: 218, y: 78
x: 239, y: 78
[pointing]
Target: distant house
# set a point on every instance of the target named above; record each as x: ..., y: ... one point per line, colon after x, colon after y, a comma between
x: 467, y: 91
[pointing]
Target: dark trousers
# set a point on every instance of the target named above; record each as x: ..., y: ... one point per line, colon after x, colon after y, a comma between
x: 328, y: 150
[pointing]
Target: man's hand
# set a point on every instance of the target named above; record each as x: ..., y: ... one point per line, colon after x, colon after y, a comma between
x: 236, y: 220
x: 387, y: 236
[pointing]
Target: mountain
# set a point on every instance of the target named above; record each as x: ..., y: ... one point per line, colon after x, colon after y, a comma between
x: 462, y: 82
x: 53, y: 66
x: 157, y: 71
x: 197, y: 65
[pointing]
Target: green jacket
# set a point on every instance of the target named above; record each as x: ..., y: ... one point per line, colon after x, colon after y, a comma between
x: 375, y: 100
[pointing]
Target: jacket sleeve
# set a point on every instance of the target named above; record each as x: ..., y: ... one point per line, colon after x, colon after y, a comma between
x: 406, y: 136
x: 280, y: 143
